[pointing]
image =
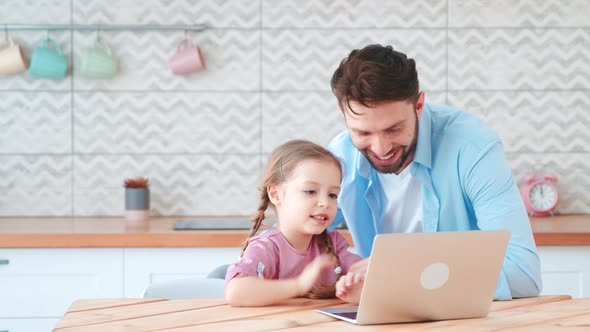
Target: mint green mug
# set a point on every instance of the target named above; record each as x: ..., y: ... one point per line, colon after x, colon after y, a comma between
x: 48, y: 60
x: 98, y: 61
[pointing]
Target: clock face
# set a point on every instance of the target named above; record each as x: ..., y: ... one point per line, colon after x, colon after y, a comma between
x: 542, y: 196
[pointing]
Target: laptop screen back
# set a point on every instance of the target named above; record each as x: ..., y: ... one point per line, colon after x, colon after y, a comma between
x: 432, y: 276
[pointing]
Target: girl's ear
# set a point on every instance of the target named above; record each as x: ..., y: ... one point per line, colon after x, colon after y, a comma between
x: 273, y: 195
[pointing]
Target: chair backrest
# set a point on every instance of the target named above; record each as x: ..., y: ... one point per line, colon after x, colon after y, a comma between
x: 189, y: 288
x: 219, y: 272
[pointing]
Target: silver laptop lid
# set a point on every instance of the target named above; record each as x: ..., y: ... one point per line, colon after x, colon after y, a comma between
x: 432, y: 276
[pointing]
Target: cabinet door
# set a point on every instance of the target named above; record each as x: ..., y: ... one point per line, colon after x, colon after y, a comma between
x: 42, y: 283
x: 148, y: 265
x: 28, y: 325
x: 565, y: 270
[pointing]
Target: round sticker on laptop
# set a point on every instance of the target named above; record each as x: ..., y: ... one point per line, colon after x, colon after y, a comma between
x: 434, y: 276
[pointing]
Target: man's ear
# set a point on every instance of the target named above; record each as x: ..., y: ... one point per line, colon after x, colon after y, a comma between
x: 420, y: 104
x: 274, y: 195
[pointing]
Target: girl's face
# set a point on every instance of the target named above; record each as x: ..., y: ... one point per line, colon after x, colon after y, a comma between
x: 306, y: 202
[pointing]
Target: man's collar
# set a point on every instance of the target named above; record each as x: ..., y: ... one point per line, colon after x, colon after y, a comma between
x: 364, y: 165
x: 423, y: 153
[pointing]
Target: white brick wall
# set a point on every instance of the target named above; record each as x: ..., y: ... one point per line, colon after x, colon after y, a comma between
x: 66, y: 146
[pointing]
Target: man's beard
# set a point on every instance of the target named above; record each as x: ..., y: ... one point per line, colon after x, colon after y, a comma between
x: 396, y: 167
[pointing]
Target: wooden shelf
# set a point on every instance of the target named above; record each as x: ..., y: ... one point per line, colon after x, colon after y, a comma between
x: 562, y: 230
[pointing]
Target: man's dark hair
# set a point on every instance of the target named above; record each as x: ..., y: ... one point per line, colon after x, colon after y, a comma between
x: 375, y: 74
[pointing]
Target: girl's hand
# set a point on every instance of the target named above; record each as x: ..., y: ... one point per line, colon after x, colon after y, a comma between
x: 360, y: 266
x: 313, y: 271
x: 349, y: 286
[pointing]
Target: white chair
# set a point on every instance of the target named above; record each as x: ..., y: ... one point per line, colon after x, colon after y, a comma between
x: 211, y: 286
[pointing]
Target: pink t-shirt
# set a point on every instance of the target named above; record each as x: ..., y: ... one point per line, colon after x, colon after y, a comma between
x: 272, y: 255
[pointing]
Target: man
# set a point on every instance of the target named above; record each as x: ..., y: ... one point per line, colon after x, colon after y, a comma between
x: 412, y: 166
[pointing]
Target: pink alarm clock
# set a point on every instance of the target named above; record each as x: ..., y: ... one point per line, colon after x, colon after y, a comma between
x: 539, y: 195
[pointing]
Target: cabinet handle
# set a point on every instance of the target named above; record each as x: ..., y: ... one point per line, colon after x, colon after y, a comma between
x: 4, y: 262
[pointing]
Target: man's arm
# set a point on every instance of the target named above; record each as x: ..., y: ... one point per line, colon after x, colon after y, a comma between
x: 487, y: 180
x: 336, y: 146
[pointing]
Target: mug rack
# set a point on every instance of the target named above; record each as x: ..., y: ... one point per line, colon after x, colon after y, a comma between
x: 100, y: 27
x: 186, y: 60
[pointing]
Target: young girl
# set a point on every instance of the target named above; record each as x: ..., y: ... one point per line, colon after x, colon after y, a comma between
x: 298, y: 256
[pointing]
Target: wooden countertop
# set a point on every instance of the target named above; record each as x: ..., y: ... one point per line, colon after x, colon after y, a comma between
x: 111, y: 232
x: 544, y: 313
x: 114, y: 232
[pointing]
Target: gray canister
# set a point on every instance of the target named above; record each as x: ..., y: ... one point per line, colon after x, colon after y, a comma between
x: 137, y: 199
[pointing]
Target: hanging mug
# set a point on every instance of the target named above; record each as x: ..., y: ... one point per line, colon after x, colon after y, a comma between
x: 98, y: 61
x: 187, y: 58
x: 48, y: 61
x: 12, y: 58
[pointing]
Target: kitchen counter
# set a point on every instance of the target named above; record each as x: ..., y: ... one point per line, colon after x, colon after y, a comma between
x: 112, y: 232
x: 115, y: 232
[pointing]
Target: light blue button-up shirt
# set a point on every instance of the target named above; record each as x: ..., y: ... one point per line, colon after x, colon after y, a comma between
x: 467, y: 185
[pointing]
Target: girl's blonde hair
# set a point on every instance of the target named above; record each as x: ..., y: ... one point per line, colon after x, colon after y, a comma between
x: 281, y: 164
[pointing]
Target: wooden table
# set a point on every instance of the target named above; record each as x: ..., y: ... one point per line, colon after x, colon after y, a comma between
x: 531, y: 314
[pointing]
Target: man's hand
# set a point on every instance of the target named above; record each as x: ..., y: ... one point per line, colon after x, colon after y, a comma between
x: 349, y: 286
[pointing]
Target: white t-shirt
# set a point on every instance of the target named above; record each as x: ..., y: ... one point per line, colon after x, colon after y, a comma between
x: 403, y: 208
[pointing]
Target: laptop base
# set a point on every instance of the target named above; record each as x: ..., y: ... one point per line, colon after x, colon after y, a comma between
x: 346, y: 314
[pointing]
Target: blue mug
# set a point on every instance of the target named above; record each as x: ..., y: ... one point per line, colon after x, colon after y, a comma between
x: 48, y: 61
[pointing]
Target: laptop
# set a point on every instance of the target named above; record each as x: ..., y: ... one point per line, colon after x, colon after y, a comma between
x: 428, y: 276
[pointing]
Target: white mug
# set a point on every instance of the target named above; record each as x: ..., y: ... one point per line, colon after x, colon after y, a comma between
x: 12, y: 58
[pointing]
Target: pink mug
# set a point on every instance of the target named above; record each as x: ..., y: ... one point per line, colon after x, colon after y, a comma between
x: 187, y: 58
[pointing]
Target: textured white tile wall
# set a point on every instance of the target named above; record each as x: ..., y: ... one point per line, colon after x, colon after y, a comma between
x: 67, y: 145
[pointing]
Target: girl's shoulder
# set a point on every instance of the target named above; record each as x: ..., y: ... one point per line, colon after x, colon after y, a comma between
x: 267, y: 239
x: 269, y: 233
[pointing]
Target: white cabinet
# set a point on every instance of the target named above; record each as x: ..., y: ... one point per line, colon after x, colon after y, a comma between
x: 565, y: 270
x: 38, y: 285
x: 144, y: 266
x: 28, y: 324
